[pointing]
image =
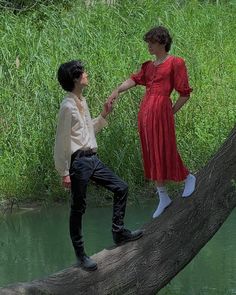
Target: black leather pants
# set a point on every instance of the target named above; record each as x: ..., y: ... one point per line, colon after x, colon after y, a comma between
x: 82, y: 169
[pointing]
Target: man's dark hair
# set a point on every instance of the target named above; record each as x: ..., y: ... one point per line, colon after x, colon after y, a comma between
x: 68, y: 72
x: 159, y: 34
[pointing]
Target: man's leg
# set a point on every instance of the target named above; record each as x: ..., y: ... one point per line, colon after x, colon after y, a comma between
x: 80, y: 173
x: 103, y: 176
x: 78, y: 204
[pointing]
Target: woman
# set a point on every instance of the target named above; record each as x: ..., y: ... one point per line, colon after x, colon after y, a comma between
x: 161, y: 159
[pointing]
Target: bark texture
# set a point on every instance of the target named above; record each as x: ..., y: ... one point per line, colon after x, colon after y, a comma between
x: 169, y: 243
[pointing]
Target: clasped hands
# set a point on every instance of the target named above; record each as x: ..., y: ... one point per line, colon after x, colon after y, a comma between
x: 108, y: 106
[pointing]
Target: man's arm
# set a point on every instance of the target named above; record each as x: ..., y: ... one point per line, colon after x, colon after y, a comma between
x: 100, y: 121
x: 62, y: 147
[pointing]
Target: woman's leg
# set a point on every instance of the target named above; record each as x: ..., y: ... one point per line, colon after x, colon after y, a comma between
x: 164, y: 199
x: 189, y: 186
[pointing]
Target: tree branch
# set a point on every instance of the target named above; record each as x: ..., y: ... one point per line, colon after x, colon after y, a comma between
x: 170, y: 242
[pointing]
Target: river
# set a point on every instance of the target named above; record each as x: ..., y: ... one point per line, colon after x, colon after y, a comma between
x: 36, y: 243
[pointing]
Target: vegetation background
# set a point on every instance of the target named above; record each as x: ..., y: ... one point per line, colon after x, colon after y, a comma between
x: 37, y: 36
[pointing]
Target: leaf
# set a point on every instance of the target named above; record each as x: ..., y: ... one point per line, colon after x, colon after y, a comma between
x: 17, y: 62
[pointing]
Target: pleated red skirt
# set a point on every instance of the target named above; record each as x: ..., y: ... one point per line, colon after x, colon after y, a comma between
x: 161, y: 159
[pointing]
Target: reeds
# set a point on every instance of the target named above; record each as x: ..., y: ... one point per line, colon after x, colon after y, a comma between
x: 108, y: 37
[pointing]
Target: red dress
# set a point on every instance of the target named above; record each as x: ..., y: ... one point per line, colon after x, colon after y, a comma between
x: 156, y: 125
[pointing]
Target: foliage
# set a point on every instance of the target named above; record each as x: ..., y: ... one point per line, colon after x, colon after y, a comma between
x: 109, y: 39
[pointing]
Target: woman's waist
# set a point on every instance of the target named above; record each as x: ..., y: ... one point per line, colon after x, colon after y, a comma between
x: 157, y: 90
x: 156, y: 101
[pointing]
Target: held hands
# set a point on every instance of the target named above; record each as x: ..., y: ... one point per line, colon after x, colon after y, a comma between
x: 66, y: 182
x: 107, y: 108
x: 109, y: 104
x: 114, y: 95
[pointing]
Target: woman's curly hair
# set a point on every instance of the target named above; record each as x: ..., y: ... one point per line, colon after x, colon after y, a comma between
x: 159, y: 34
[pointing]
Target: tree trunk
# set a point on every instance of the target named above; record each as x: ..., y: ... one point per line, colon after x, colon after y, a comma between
x: 169, y: 243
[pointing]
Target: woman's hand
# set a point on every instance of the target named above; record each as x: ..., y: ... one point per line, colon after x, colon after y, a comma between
x: 127, y: 84
x: 66, y: 182
x: 114, y: 95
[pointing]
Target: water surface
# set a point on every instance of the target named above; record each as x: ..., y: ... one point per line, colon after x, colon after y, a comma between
x: 34, y: 244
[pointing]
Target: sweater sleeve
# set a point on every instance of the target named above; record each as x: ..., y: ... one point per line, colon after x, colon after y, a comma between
x: 62, y: 148
x: 98, y: 123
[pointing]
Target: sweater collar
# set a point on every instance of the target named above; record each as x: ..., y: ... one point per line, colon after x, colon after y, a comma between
x: 75, y: 97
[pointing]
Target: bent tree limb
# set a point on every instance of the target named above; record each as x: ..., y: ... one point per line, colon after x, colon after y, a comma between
x: 170, y: 242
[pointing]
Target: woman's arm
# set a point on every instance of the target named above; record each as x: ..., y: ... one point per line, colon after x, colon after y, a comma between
x: 179, y: 103
x: 181, y: 84
x: 121, y: 88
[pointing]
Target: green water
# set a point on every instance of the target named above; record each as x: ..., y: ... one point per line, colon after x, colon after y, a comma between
x: 34, y: 244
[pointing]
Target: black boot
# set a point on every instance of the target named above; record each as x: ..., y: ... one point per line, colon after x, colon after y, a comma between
x: 85, y: 261
x: 120, y: 234
x: 125, y: 235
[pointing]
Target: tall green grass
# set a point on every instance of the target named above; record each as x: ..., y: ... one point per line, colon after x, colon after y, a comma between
x: 109, y: 39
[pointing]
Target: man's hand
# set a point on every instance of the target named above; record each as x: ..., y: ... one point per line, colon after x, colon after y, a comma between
x: 107, y: 108
x: 66, y: 182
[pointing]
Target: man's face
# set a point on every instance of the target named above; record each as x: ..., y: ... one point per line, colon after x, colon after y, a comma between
x: 84, y: 79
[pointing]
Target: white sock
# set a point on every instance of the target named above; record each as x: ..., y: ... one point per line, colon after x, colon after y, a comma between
x: 164, y: 201
x: 189, y: 186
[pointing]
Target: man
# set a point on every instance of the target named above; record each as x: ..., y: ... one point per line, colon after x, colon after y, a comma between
x: 77, y: 162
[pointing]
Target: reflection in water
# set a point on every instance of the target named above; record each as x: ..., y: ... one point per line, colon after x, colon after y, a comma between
x: 35, y: 244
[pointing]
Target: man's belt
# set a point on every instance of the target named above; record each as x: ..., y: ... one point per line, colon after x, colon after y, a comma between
x: 82, y: 153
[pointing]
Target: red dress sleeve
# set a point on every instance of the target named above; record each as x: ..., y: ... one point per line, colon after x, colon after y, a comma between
x: 181, y: 84
x: 139, y: 77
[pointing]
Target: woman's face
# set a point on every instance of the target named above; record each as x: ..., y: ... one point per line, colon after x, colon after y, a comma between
x: 155, y: 47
